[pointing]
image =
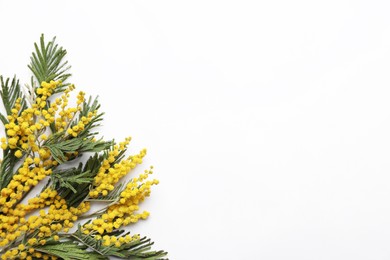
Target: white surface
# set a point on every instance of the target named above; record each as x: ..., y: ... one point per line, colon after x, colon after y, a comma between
x: 268, y: 122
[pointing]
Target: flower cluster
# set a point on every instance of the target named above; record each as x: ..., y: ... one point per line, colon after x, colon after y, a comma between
x: 111, y: 172
x: 124, y: 212
x: 26, y: 135
x: 44, y: 136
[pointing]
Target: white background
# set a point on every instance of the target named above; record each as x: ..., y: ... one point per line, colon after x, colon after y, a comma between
x: 268, y: 122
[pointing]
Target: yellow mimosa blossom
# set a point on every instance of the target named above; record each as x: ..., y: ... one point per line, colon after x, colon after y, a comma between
x: 50, y: 148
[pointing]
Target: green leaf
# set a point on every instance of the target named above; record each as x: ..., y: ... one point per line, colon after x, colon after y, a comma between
x: 47, y: 63
x: 3, y: 119
x: 59, y: 147
x: 10, y: 92
x: 138, y: 249
x: 91, y: 167
x: 7, y: 168
x: 69, y: 251
x: 70, y: 178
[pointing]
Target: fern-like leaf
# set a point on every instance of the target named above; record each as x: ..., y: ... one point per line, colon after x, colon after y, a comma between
x: 10, y: 92
x: 7, y: 168
x: 137, y: 249
x: 91, y: 166
x: 69, y: 251
x: 59, y: 147
x: 69, y: 178
x: 47, y: 63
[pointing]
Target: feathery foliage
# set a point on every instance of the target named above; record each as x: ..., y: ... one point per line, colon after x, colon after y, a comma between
x: 44, y: 139
x: 137, y: 249
x: 47, y: 62
x: 7, y: 168
x: 58, y: 147
x: 68, y: 251
x: 10, y: 92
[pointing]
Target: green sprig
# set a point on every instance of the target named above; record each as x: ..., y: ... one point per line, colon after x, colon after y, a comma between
x: 47, y: 63
x: 71, y: 183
